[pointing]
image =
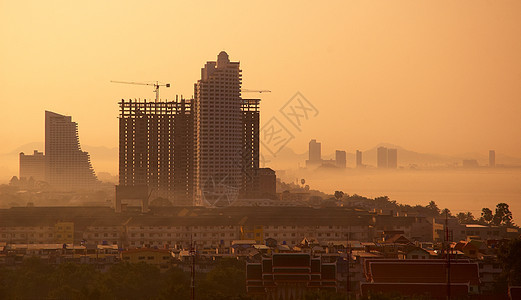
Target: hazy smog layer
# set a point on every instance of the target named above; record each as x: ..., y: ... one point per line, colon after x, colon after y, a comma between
x: 458, y: 190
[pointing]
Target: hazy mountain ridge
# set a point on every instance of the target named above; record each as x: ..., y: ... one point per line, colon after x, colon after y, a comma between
x: 287, y: 158
x: 105, y: 159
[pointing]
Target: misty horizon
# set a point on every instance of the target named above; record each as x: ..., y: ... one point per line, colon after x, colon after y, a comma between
x: 249, y: 150
x: 100, y: 155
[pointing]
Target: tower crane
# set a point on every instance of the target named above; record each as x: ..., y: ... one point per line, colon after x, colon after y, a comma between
x: 156, y: 86
x: 255, y: 91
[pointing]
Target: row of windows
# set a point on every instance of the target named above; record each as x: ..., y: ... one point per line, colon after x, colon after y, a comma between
x: 181, y: 235
x: 24, y: 235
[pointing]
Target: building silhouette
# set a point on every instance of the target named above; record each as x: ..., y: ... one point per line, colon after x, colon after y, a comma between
x: 219, y: 134
x: 381, y: 157
x: 340, y: 159
x: 392, y: 158
x: 386, y: 158
x: 315, y: 151
x: 314, y: 154
x: 67, y: 166
x: 202, y: 151
x: 156, y: 138
x: 359, y: 163
x: 492, y: 158
x: 32, y: 166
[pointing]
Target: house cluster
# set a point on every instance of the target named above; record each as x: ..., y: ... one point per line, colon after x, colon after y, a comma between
x: 374, y: 252
x: 394, y: 266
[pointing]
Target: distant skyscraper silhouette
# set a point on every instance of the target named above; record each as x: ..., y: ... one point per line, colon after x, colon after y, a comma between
x: 315, y: 151
x: 387, y: 158
x: 67, y: 166
x: 492, y: 158
x: 314, y: 154
x: 32, y: 166
x: 359, y: 163
x: 341, y: 159
x: 381, y: 157
x: 392, y: 158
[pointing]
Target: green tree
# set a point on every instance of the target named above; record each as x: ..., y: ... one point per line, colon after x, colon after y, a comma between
x: 446, y: 212
x: 177, y: 284
x: 227, y: 280
x: 509, y: 255
x: 503, y: 215
x: 432, y: 206
x: 6, y: 282
x: 74, y: 281
x: 339, y: 195
x: 131, y: 281
x: 486, y: 215
x: 465, y: 218
x: 33, y: 280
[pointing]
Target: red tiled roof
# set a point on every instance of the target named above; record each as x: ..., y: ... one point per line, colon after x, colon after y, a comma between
x: 423, y: 272
x: 367, y: 270
x: 434, y: 290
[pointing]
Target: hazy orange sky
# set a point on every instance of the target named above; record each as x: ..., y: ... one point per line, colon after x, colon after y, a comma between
x: 431, y: 76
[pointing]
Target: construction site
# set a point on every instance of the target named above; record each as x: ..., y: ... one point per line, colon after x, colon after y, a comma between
x: 201, y: 151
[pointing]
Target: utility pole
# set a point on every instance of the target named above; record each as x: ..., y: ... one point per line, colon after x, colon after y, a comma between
x: 348, y: 260
x: 447, y: 252
x: 192, y: 281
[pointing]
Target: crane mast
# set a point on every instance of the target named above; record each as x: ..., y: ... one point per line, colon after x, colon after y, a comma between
x: 255, y: 91
x: 156, y: 86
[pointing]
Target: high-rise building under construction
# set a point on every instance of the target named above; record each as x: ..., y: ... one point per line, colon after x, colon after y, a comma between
x: 156, y: 138
x: 203, y: 151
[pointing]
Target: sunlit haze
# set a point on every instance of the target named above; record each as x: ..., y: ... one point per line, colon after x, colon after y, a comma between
x: 435, y: 77
x: 356, y: 149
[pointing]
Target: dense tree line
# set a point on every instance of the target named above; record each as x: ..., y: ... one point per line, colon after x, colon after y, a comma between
x: 35, y: 279
x: 502, y: 216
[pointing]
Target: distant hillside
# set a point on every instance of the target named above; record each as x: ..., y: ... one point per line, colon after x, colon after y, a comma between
x: 408, y: 157
x: 287, y: 158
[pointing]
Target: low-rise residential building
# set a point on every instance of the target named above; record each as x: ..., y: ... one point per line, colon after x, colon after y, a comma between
x: 158, y: 257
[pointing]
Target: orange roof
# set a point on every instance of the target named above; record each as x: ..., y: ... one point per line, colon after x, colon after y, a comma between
x: 423, y: 272
x: 434, y: 290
